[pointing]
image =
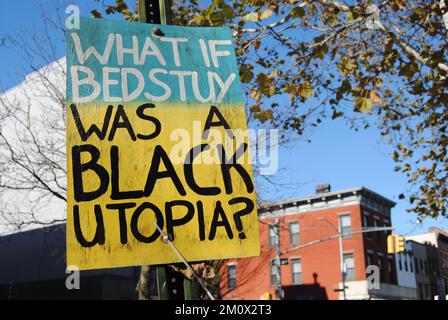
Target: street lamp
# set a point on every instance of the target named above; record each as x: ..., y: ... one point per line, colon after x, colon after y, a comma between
x: 341, y: 256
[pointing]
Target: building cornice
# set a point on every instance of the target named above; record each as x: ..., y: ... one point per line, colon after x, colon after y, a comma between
x: 323, y: 201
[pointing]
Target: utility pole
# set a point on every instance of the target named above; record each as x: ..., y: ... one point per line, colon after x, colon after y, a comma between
x: 341, y: 253
x: 341, y: 257
x: 278, y: 265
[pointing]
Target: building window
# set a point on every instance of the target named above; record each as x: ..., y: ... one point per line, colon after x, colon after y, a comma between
x: 376, y: 224
x: 421, y: 265
x: 390, y: 263
x: 272, y: 236
x: 411, y: 265
x: 416, y: 265
x: 380, y: 266
x: 273, y: 271
x: 296, y: 268
x: 426, y: 268
x: 405, y: 262
x: 365, y: 223
x: 231, y: 277
x: 399, y: 262
x: 369, y: 258
x: 434, y: 267
x: 386, y: 232
x: 345, y: 225
x: 365, y: 220
x: 349, y: 263
x: 294, y: 230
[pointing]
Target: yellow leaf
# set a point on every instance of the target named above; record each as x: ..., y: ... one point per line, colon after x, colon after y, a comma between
x: 363, y: 104
x: 251, y: 17
x: 378, y: 82
x: 266, y: 14
x: 305, y: 90
x: 375, y: 97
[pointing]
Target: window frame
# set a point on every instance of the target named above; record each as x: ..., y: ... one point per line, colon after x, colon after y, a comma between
x: 341, y: 228
x: 344, y: 259
x: 272, y: 276
x: 406, y: 268
x: 293, y: 273
x: 386, y: 224
x: 291, y: 234
x: 416, y: 265
x: 377, y: 224
x: 390, y: 267
x: 366, y: 223
x: 381, y: 266
x: 370, y: 256
x: 271, y: 229
x: 231, y: 288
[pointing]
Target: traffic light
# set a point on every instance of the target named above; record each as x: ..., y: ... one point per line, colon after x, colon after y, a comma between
x: 399, y: 244
x: 266, y: 296
x: 395, y: 244
x: 391, y: 244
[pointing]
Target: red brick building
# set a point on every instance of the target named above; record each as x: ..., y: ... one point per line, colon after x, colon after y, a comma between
x: 313, y: 272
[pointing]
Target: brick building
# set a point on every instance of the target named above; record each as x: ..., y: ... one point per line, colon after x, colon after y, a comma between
x: 313, y: 272
x: 432, y: 264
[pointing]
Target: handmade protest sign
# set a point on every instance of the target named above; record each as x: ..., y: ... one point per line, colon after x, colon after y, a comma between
x: 156, y: 134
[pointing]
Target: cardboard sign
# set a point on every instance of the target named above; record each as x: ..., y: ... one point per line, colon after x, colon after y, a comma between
x: 156, y: 135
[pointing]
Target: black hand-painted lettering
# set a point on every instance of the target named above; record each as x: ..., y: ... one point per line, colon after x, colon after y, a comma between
x: 217, y: 222
x: 99, y: 237
x: 189, y: 176
x: 121, y: 120
x: 79, y: 168
x: 222, y: 122
x: 237, y: 215
x: 154, y: 173
x: 226, y: 165
x: 101, y: 134
x: 135, y: 218
x: 116, y: 194
x: 121, y: 207
x: 141, y: 114
x: 171, y: 222
x: 201, y: 223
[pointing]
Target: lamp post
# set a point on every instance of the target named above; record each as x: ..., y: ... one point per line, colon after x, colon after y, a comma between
x: 341, y: 255
x: 276, y: 229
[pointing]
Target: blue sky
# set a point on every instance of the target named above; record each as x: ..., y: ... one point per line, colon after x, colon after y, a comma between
x: 337, y: 154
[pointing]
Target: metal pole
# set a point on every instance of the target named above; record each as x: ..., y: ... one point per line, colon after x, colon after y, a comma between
x: 341, y: 256
x: 278, y: 260
x: 341, y: 253
x: 185, y: 262
x: 156, y: 12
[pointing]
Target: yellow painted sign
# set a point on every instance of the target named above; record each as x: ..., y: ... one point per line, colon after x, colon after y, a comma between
x: 156, y: 135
